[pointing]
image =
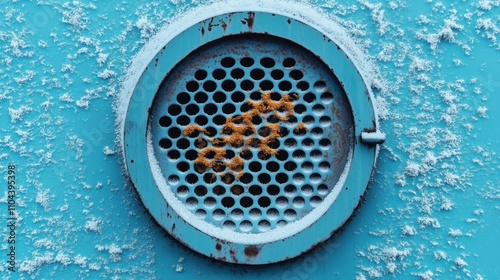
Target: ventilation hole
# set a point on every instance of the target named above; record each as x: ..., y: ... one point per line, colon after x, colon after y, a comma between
x: 264, y: 131
x: 210, y: 155
x: 200, y: 74
x: 237, y: 190
x: 228, y: 178
x: 183, y: 144
x: 290, y: 214
x: 255, y: 214
x: 165, y: 121
x: 238, y: 97
x: 273, y: 190
x: 219, y: 166
x: 318, y: 110
x: 255, y: 190
x: 209, y: 202
x: 277, y: 74
x: 264, y: 202
x: 299, y: 155
x: 237, y: 73
x: 319, y: 86
x: 201, y: 120
x: 191, y: 203
x: 174, y: 132
x: 257, y: 74
x: 219, y: 74
x: 263, y: 155
x: 201, y: 214
x: 255, y: 166
x: 192, y: 86
x: 201, y: 97
x: 246, y: 202
x: 316, y: 155
x: 290, y: 166
x: 227, y: 202
x: 237, y: 214
x: 219, y: 120
x: 200, y: 190
x: 219, y: 190
x: 290, y: 143
x: 209, y: 178
x: 229, y: 154
x: 228, y: 109
x: 174, y: 110
x: 307, y: 190
x: 275, y: 96
x: 272, y: 214
x: 296, y: 75
x: 289, y: 62
x: 284, y: 131
x: 256, y: 95
x: 183, y: 166
x: 245, y: 107
x: 219, y: 97
x: 246, y: 226
x: 285, y: 86
x: 327, y: 98
x: 246, y: 154
x: 227, y: 62
x: 299, y: 178
x: 247, y: 85
x: 267, y: 62
x: 322, y: 189
x: 272, y: 119
x: 192, y: 109
x: 291, y: 120
x: 298, y: 202
x: 264, y: 178
x: 256, y: 120
x: 315, y: 178
x: 174, y: 154
x: 307, y: 167
x: 317, y: 132
x: 229, y: 225
x: 290, y: 190
x: 309, y: 97
x: 209, y: 86
x: 191, y: 179
x: 325, y: 121
x: 246, y: 61
x: 183, y: 98
x: 282, y: 202
x: 266, y: 85
x: 200, y: 167
x: 246, y: 178
x: 218, y: 214
x: 182, y: 191
x: 191, y: 155
x: 273, y: 144
x: 325, y: 143
x: 324, y: 166
x: 264, y: 225
x: 282, y: 155
x: 299, y: 109
x: 309, y: 120
x: 281, y: 178
x: 308, y: 143
x: 210, y: 109
x: 228, y: 85
x: 300, y: 131
x: 303, y: 85
x: 315, y: 201
x: 183, y: 120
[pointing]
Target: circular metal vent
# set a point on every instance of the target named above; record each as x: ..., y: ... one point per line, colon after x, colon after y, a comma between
x: 250, y: 137
x: 251, y: 132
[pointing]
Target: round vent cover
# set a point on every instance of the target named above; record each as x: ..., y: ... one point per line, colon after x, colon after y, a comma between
x: 253, y: 144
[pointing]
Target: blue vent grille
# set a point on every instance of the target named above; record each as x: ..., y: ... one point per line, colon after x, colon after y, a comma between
x: 251, y: 132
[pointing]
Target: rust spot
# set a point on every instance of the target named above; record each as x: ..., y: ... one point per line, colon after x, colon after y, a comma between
x: 251, y: 251
x: 218, y: 247
x: 250, y: 20
x: 202, y: 31
x: 224, y: 25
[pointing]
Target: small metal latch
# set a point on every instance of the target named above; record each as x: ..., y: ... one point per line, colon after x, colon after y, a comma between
x: 376, y: 137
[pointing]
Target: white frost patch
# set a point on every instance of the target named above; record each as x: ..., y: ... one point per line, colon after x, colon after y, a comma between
x: 408, y: 230
x: 108, y: 151
x: 440, y: 255
x: 114, y: 251
x: 80, y: 260
x: 455, y: 232
x: 27, y: 76
x: 460, y: 262
x: 65, y: 98
x: 106, y: 74
x: 94, y: 225
x: 63, y: 258
x: 146, y: 28
x: 481, y: 111
x: 17, y: 114
x: 428, y: 222
x: 43, y: 197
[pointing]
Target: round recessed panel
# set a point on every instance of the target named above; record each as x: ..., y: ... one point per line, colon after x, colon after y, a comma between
x: 252, y: 132
x: 251, y: 140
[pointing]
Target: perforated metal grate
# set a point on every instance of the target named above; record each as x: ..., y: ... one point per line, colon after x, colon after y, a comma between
x: 251, y: 132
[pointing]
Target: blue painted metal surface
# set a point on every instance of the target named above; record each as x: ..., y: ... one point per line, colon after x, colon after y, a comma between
x: 431, y: 212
